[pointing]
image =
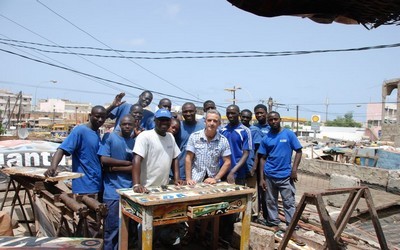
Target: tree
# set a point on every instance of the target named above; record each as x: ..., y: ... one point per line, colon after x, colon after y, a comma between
x: 346, y: 121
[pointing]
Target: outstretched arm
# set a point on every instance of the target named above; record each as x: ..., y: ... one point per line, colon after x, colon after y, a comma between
x: 117, y: 102
x: 57, y: 157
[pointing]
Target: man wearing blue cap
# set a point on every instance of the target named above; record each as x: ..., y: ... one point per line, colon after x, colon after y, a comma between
x: 156, y: 153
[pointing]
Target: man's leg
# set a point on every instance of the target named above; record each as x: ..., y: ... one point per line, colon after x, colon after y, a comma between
x: 111, y: 225
x: 288, y: 191
x: 272, y: 202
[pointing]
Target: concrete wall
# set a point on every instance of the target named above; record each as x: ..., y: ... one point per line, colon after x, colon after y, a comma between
x: 387, y: 179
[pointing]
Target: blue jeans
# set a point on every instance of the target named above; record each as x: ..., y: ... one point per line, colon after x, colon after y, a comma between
x: 111, y: 226
x: 287, y: 190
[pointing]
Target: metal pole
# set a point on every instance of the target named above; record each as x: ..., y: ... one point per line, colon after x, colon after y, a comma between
x: 76, y: 115
x: 297, y: 120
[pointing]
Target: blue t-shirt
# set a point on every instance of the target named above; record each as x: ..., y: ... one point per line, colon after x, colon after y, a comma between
x: 83, y: 144
x: 256, y: 137
x: 182, y: 139
x: 278, y: 148
x: 117, y: 113
x: 120, y: 148
x: 263, y: 128
x: 239, y: 138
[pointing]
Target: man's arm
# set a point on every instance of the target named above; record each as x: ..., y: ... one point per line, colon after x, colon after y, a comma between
x: 55, y: 160
x: 117, y: 102
x: 241, y: 163
x: 137, y: 186
x: 175, y: 170
x: 115, y: 165
x: 296, y: 162
x: 188, y: 167
x: 222, y: 171
x: 262, y: 158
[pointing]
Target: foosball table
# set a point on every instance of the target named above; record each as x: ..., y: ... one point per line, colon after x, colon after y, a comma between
x: 174, y: 204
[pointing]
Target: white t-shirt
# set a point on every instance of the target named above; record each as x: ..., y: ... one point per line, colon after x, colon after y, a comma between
x: 157, y: 152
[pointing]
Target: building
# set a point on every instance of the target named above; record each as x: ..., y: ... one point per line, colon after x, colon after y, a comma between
x: 390, y: 125
x: 17, y: 109
x: 14, y: 107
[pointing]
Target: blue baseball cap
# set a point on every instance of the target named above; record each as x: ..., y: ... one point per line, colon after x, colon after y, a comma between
x: 163, y: 113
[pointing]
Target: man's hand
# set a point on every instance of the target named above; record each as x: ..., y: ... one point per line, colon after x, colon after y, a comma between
x: 231, y: 178
x: 50, y: 172
x: 191, y: 182
x: 179, y: 182
x: 138, y: 188
x: 210, y: 181
x: 293, y: 176
x: 263, y: 184
x: 253, y: 170
x: 118, y: 100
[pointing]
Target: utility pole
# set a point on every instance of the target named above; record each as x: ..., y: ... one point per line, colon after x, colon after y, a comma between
x: 326, y: 109
x: 297, y: 120
x: 233, y: 90
x: 270, y: 104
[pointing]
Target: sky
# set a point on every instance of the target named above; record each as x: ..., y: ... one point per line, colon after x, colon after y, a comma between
x: 346, y: 81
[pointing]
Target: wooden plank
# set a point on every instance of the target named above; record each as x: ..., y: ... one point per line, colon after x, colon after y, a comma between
x: 246, y: 219
x: 38, y: 173
x: 375, y: 220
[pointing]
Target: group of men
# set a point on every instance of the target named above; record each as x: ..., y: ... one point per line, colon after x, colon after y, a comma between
x: 153, y: 149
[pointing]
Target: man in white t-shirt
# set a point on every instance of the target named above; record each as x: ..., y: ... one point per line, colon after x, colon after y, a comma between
x: 155, y: 155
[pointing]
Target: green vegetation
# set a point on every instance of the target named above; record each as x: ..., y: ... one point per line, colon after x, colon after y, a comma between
x: 346, y: 121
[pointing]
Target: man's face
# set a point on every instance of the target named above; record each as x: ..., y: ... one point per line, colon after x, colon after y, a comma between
x: 189, y: 113
x: 274, y: 121
x: 208, y: 106
x: 261, y: 115
x: 246, y: 118
x: 212, y: 122
x: 162, y: 125
x: 137, y: 113
x: 126, y: 125
x: 98, y: 117
x: 165, y: 104
x: 232, y: 114
x: 174, y: 128
x: 145, y: 99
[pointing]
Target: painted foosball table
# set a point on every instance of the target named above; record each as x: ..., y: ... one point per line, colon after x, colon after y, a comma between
x: 174, y: 204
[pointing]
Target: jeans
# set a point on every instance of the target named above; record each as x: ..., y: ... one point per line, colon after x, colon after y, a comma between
x: 111, y: 226
x: 287, y: 190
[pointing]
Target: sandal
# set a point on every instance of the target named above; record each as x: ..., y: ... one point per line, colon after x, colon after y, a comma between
x: 298, y: 241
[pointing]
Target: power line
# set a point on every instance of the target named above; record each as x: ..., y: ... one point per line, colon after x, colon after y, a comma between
x: 226, y: 54
x: 104, y: 84
x: 122, y: 56
x: 96, y: 77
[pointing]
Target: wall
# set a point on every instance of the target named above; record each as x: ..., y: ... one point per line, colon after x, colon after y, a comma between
x: 387, y: 179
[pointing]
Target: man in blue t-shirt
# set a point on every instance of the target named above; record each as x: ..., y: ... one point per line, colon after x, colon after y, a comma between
x: 188, y: 126
x: 119, y: 108
x: 83, y: 143
x: 239, y: 137
x: 116, y: 156
x: 275, y: 154
x: 261, y: 112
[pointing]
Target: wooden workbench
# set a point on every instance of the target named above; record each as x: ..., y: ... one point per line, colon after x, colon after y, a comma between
x: 173, y: 204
